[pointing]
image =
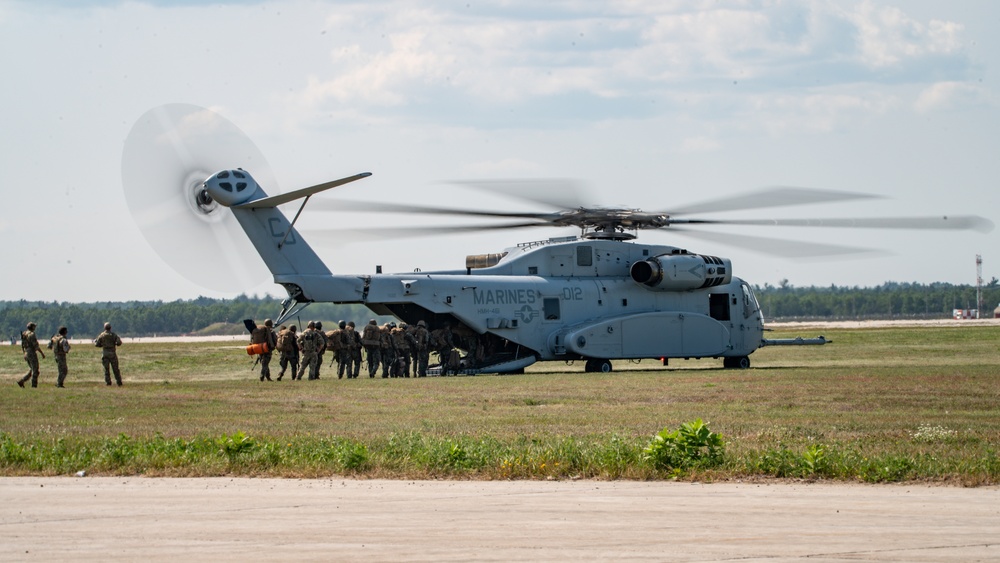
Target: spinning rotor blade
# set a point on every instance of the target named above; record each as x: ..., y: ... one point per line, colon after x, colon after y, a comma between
x: 168, y: 153
x: 777, y: 247
x: 353, y: 205
x: 560, y: 193
x: 389, y: 233
x: 778, y: 196
x: 947, y: 222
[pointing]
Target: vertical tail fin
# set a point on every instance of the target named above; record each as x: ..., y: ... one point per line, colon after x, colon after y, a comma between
x: 274, y: 237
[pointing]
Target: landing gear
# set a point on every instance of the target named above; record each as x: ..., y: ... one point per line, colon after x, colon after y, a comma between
x: 738, y: 362
x: 599, y: 366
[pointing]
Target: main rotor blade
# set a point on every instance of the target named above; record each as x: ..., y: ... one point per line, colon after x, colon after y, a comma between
x: 355, y: 205
x: 390, y: 233
x: 777, y: 247
x: 560, y: 193
x: 946, y: 222
x: 777, y: 196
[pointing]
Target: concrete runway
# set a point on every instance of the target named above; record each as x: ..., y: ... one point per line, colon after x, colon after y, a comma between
x: 223, y: 519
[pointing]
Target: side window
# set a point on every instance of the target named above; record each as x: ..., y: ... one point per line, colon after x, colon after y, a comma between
x: 718, y: 306
x: 584, y: 256
x: 749, y: 302
x: 550, y: 307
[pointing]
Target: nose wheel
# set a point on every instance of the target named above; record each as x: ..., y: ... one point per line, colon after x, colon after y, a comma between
x: 738, y: 362
x: 597, y: 366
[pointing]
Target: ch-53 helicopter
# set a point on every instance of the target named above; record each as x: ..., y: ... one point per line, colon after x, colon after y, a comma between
x: 596, y: 297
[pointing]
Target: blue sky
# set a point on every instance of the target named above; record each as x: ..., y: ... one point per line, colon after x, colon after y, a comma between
x: 652, y: 105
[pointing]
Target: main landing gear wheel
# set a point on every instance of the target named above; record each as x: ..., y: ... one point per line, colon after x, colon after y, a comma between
x: 598, y: 366
x: 739, y: 362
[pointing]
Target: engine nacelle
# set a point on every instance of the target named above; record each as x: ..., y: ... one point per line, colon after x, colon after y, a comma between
x: 681, y: 272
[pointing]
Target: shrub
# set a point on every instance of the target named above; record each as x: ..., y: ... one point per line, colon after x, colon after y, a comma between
x: 692, y: 445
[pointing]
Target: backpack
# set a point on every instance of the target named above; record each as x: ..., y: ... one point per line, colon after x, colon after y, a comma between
x: 283, y: 338
x: 258, y: 335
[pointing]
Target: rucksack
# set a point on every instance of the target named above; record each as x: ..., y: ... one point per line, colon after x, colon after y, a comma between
x: 258, y: 335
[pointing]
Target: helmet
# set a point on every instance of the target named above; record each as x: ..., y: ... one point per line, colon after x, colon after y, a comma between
x: 107, y: 326
x: 373, y: 322
x: 319, y: 325
x: 293, y: 328
x: 311, y: 324
x: 31, y: 326
x: 342, y: 324
x: 421, y: 323
x: 268, y: 322
x: 350, y: 324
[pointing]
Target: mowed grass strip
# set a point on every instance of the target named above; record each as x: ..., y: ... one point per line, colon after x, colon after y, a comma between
x: 885, y: 404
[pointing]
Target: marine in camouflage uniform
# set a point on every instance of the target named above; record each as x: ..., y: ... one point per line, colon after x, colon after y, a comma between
x: 289, y: 348
x: 321, y: 346
x: 421, y: 351
x: 372, y: 342
x: 388, y: 349
x: 336, y: 341
x: 309, y: 343
x: 108, y: 342
x: 353, y: 350
x: 272, y: 342
x: 60, y: 347
x: 31, y: 349
x: 403, y: 342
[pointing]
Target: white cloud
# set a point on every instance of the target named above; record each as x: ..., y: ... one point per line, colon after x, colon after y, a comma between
x: 950, y: 95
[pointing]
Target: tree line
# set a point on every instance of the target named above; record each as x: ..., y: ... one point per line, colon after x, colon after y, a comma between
x: 147, y: 318
x: 782, y: 302
x: 890, y: 300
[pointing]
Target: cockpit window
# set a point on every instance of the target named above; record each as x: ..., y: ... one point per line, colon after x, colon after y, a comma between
x: 749, y: 302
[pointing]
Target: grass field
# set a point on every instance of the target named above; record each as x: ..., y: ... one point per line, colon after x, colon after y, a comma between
x: 877, y: 405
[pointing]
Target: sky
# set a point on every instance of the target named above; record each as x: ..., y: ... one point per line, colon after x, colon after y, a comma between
x: 651, y: 105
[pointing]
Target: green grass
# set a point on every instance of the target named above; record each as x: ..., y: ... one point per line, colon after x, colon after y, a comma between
x: 877, y: 405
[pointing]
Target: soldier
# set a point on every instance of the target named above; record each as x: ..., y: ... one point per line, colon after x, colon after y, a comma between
x: 31, y: 349
x: 108, y: 342
x: 268, y: 337
x: 388, y: 349
x: 402, y: 341
x: 60, y: 347
x: 441, y: 342
x: 372, y: 342
x: 353, y: 350
x: 308, y: 345
x: 321, y: 345
x: 421, y: 338
x: 335, y: 338
x: 289, y: 349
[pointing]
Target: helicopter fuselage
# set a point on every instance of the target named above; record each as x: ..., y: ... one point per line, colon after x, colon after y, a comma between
x: 570, y: 298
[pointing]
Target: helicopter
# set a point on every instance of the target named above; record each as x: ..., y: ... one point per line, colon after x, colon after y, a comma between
x: 597, y: 297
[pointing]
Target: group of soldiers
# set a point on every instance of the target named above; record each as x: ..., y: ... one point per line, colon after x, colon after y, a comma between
x: 392, y: 350
x: 107, y: 341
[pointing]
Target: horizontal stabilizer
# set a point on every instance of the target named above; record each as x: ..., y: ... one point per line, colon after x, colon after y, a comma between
x: 282, y: 199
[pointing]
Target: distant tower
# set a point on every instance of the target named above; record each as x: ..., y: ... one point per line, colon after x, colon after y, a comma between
x: 979, y: 285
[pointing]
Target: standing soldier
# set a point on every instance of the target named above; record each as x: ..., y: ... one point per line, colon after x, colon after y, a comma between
x: 372, y: 342
x: 60, y: 347
x: 353, y: 351
x: 401, y: 339
x: 321, y: 346
x: 289, y: 349
x: 266, y: 335
x: 309, y: 346
x: 31, y: 349
x: 335, y: 341
x: 108, y: 342
x: 443, y: 343
x: 388, y: 349
x: 421, y: 338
